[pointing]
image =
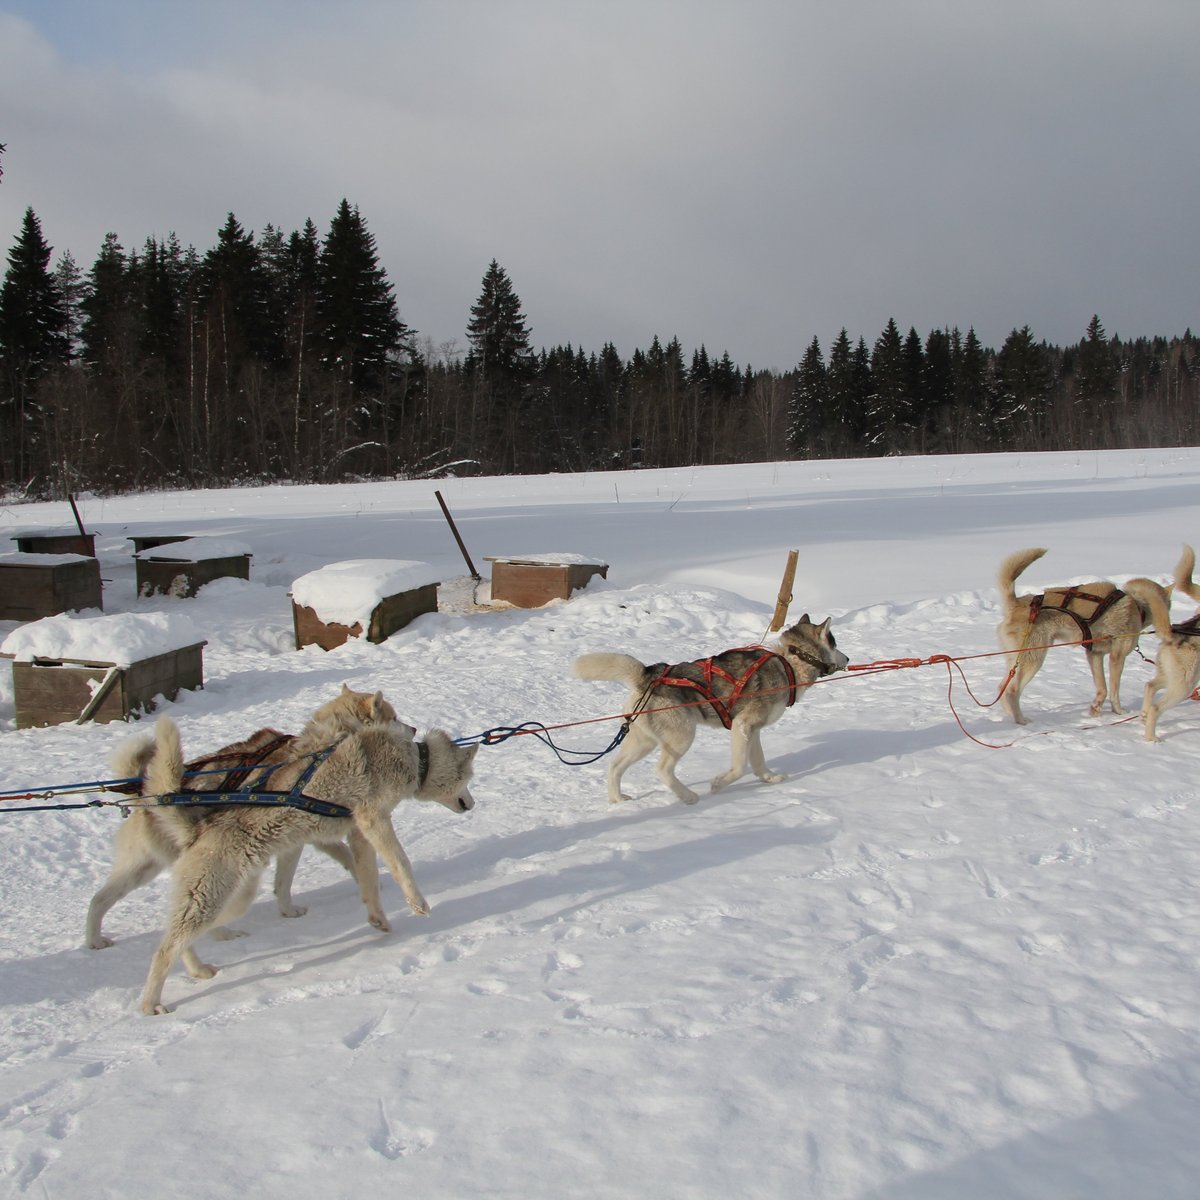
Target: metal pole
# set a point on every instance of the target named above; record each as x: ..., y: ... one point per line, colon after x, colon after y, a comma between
x: 454, y: 530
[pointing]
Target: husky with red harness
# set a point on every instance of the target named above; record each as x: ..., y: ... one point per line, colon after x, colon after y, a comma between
x: 1101, y: 617
x: 743, y: 690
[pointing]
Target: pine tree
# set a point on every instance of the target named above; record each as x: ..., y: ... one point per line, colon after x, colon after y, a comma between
x: 33, y: 340
x: 808, y: 410
x: 888, y: 415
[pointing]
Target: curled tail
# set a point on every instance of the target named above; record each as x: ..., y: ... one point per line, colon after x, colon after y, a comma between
x: 129, y: 759
x: 1153, y: 598
x: 1183, y: 574
x: 620, y: 668
x: 1011, y: 568
x: 164, y: 771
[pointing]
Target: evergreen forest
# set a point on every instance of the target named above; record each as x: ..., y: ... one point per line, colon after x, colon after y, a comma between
x: 282, y: 357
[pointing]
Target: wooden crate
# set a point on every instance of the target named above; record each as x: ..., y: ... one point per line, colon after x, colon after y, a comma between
x: 532, y: 584
x: 179, y: 577
x: 32, y: 590
x: 147, y: 541
x: 55, y: 691
x: 57, y: 543
x: 390, y: 614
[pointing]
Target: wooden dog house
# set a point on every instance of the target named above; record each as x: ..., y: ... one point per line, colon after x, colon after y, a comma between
x: 40, y: 585
x: 182, y: 567
x: 360, y: 597
x: 49, y: 542
x: 531, y: 580
x: 102, y: 668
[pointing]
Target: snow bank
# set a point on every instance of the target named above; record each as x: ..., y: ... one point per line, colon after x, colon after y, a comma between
x: 348, y: 592
x: 196, y: 549
x: 122, y: 638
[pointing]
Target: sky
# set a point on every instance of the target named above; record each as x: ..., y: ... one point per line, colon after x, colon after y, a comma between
x: 740, y: 176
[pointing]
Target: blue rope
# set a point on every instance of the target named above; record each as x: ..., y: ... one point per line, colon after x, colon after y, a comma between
x: 580, y: 758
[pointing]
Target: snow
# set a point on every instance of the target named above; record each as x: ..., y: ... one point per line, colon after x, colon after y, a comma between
x: 22, y: 559
x: 348, y: 592
x: 919, y: 969
x: 196, y: 549
x: 563, y: 559
x: 120, y: 639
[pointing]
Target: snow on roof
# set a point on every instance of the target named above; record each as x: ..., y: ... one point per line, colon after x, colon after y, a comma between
x: 196, y: 549
x: 562, y: 559
x: 18, y: 559
x: 348, y: 592
x: 121, y: 639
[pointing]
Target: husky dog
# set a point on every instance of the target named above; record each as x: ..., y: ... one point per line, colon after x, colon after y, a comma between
x: 145, y: 847
x: 1177, y: 666
x: 1099, y: 614
x: 222, y: 854
x: 744, y: 690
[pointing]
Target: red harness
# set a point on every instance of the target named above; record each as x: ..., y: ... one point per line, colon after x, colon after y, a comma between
x: 1103, y: 604
x: 723, y: 706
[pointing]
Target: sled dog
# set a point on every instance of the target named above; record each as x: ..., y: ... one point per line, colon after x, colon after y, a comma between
x: 744, y: 689
x: 145, y: 846
x: 223, y: 852
x: 1177, y: 664
x: 1099, y: 614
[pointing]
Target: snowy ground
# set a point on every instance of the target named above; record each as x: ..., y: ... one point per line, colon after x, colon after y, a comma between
x: 919, y: 969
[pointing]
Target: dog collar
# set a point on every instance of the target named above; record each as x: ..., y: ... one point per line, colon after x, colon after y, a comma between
x: 422, y: 763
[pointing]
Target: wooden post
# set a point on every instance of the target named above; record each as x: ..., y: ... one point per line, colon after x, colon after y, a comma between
x: 454, y: 530
x: 76, y: 512
x: 785, y: 592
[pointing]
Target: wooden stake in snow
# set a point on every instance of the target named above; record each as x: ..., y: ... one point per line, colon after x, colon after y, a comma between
x: 454, y: 530
x: 785, y: 592
x: 77, y: 518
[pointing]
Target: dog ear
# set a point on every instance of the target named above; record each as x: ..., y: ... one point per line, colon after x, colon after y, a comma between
x: 345, y: 689
x: 804, y: 620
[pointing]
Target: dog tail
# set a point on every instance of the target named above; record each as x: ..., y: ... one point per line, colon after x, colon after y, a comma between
x: 1011, y: 568
x: 1153, y: 598
x: 620, y: 668
x: 1183, y: 574
x: 129, y: 759
x: 164, y: 771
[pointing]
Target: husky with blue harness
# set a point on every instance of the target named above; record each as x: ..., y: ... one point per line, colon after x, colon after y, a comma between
x: 742, y: 690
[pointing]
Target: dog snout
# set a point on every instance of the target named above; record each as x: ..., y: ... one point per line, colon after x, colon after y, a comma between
x: 466, y: 802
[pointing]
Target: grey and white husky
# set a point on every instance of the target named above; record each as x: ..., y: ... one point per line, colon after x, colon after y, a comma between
x: 743, y: 690
x: 222, y: 853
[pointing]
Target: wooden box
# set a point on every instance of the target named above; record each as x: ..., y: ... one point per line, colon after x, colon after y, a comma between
x: 179, y: 577
x: 57, y: 543
x: 390, y: 614
x: 530, y: 584
x: 55, y: 691
x: 147, y: 541
x: 33, y: 589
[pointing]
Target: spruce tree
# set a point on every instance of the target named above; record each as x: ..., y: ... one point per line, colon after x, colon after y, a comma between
x: 808, y: 410
x: 33, y: 340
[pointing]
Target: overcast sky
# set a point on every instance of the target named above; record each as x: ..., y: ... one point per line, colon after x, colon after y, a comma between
x: 742, y: 175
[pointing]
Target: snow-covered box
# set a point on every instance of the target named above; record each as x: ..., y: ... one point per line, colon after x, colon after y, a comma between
x: 41, y: 585
x: 73, y: 668
x: 375, y: 596
x: 56, y: 541
x: 531, y: 580
x: 183, y: 567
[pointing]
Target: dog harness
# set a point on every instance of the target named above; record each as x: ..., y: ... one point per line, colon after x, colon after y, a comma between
x: 711, y: 669
x: 1071, y: 600
x: 1188, y: 628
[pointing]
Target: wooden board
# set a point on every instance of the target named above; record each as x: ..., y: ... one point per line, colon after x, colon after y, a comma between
x: 177, y: 577
x: 57, y: 543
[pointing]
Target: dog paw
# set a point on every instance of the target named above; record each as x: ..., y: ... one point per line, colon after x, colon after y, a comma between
x: 157, y: 1009
x: 100, y: 943
x: 421, y: 907
x: 225, y: 934
x: 295, y: 910
x: 203, y: 971
x: 690, y: 798
x: 622, y: 798
x: 773, y: 777
x: 380, y: 922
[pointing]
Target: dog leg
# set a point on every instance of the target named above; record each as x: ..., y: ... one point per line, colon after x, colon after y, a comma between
x: 1176, y: 691
x: 125, y: 877
x: 377, y: 829
x: 1027, y: 664
x: 758, y: 760
x: 1096, y: 663
x: 1116, y: 666
x: 637, y: 744
x: 674, y: 747
x: 365, y: 868
x: 285, y: 871
x: 739, y: 740
x: 237, y: 907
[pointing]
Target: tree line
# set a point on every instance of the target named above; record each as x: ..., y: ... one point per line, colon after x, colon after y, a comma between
x: 283, y: 357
